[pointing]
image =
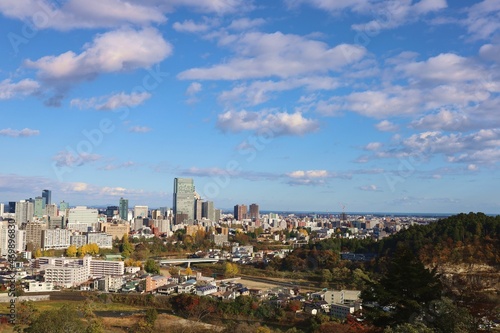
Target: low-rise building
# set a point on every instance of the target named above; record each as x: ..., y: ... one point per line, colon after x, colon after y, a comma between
x: 37, y: 286
x: 206, y: 290
x: 154, y: 282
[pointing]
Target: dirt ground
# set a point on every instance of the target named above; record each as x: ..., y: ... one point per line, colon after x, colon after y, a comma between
x: 164, y: 323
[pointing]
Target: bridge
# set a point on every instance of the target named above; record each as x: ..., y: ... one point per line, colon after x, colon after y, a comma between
x: 187, y: 261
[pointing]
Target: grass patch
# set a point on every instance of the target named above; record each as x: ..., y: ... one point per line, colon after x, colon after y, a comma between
x: 98, y: 306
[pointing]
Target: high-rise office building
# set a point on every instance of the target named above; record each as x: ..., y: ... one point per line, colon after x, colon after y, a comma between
x: 39, y: 207
x: 254, y: 212
x: 12, y: 207
x: 82, y: 218
x: 47, y: 196
x: 123, y: 209
x: 2, y: 208
x: 183, y: 200
x: 240, y: 212
x: 51, y: 210
x: 34, y: 234
x: 141, y: 211
x: 24, y: 211
x: 111, y: 211
x: 198, y: 210
x: 208, y: 210
x: 63, y: 207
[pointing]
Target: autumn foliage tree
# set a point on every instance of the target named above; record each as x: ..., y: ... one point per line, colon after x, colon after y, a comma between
x: 230, y: 269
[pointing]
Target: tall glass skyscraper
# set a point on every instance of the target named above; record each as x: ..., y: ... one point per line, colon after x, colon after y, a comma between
x: 183, y: 200
x: 47, y: 194
x: 123, y: 209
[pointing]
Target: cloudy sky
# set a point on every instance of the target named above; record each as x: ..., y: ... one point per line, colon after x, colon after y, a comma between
x: 378, y: 106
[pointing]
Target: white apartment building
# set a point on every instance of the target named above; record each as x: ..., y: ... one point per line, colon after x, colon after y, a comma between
x: 341, y: 311
x: 67, y: 273
x: 100, y: 268
x: 78, y: 240
x: 103, y: 240
x: 66, y: 277
x: 342, y: 296
x: 163, y: 225
x: 19, y: 237
x: 81, y: 227
x: 58, y: 239
x: 24, y: 211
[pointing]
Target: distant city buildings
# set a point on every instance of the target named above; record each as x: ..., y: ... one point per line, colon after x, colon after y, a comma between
x: 123, y: 209
x: 183, y: 200
x: 208, y: 211
x: 254, y: 212
x: 47, y: 197
x: 240, y: 212
x: 141, y: 211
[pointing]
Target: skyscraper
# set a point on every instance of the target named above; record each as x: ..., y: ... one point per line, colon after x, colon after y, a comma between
x: 240, y: 212
x: 123, y: 209
x: 254, y: 212
x: 198, y: 211
x: 141, y: 211
x: 39, y: 207
x: 63, y: 207
x: 208, y: 210
x: 183, y: 200
x: 47, y: 195
x: 24, y: 211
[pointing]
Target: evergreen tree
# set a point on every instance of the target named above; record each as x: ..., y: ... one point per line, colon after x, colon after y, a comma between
x: 403, y: 293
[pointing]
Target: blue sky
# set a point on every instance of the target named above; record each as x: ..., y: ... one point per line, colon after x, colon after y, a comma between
x: 378, y: 106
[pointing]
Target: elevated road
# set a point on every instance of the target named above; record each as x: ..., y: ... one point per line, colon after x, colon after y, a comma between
x: 186, y: 261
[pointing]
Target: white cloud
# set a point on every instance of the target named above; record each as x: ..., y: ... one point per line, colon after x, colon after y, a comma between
x: 480, y: 147
x: 443, y: 120
x: 281, y: 55
x: 123, y: 165
x: 74, y: 14
x: 140, y: 129
x: 472, y: 167
x: 370, y: 188
x: 373, y: 146
x: 387, y: 126
x: 114, y: 51
x: 308, y: 174
x: 191, y: 27
x: 445, y: 67
x: 112, y: 102
x: 490, y: 52
x: 392, y: 14
x: 19, y: 133
x: 246, y: 23
x: 9, y: 89
x: 274, y: 124
x: 193, y: 89
x: 378, y: 104
x: 220, y: 7
x: 307, y: 177
x: 482, y: 19
x: 65, y: 158
x: 387, y: 14
x: 259, y: 92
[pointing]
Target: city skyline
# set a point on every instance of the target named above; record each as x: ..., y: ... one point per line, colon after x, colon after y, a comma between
x: 298, y: 105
